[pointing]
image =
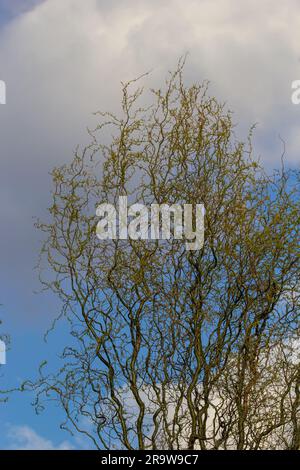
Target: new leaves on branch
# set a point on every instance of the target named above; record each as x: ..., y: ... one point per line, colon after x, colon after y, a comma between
x: 170, y: 348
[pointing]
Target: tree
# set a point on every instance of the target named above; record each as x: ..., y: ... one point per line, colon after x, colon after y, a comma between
x: 171, y: 348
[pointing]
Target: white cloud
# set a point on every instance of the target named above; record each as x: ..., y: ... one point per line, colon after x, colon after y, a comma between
x: 25, y: 438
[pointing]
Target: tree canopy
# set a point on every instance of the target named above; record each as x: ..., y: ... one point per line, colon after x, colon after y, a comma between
x: 170, y: 348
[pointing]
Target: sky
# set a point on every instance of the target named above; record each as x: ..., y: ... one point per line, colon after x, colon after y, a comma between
x: 61, y: 61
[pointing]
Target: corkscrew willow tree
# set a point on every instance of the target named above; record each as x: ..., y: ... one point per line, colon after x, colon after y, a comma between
x: 169, y: 348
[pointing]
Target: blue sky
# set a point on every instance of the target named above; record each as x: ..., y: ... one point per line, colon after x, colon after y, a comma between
x: 64, y: 59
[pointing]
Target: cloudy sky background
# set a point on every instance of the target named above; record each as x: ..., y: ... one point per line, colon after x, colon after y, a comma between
x: 64, y: 59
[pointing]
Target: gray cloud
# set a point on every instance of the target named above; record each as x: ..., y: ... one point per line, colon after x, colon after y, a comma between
x: 63, y: 60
